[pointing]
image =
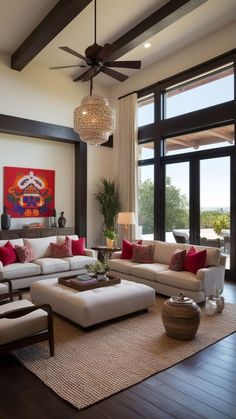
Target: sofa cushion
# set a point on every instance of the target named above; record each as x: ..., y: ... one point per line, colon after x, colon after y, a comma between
x: 8, y: 254
x: 19, y: 270
x: 182, y: 280
x: 78, y: 246
x: 163, y: 251
x: 195, y: 260
x: 21, y: 327
x: 62, y: 250
x: 51, y: 265
x: 121, y: 265
x: 78, y: 262
x: 41, y: 246
x: 143, y: 253
x: 25, y: 253
x: 148, y: 271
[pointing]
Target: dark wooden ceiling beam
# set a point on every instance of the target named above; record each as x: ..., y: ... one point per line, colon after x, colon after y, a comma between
x: 55, y: 21
x: 158, y: 21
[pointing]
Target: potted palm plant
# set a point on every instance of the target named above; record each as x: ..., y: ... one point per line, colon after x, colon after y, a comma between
x: 108, y: 199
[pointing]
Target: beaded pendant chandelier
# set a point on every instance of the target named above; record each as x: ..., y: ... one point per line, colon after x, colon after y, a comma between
x: 94, y: 119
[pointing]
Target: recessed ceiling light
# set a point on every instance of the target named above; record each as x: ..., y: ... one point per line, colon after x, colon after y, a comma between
x: 147, y: 45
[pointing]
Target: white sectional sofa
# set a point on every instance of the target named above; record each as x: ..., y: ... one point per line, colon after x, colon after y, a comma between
x: 22, y: 275
x: 169, y: 282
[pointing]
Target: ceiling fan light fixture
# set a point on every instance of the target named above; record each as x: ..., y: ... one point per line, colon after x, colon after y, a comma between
x: 94, y: 120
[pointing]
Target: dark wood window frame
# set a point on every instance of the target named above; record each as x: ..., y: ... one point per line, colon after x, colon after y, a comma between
x: 35, y: 129
x: 213, y: 116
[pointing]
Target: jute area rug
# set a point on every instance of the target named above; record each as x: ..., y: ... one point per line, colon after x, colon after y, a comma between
x: 89, y: 366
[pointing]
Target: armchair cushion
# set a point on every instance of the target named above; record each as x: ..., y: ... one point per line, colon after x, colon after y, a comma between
x: 21, y: 327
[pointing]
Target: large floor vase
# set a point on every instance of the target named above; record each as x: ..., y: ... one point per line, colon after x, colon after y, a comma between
x: 181, y: 317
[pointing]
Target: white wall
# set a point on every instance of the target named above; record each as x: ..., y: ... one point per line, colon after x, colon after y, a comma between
x: 49, y: 96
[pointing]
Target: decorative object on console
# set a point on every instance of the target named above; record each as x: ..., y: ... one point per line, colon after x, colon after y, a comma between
x: 61, y: 220
x: 5, y: 219
x: 54, y: 214
x: 29, y: 192
x: 125, y: 219
x: 181, y: 317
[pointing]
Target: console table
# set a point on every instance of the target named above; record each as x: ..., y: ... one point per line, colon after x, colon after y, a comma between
x: 35, y: 232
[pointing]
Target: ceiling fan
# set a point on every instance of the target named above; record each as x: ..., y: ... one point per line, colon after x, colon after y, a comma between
x: 96, y: 57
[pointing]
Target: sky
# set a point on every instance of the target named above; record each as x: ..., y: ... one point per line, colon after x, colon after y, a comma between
x: 214, y: 173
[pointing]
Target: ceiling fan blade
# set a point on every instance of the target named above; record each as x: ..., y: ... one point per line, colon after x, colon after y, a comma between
x: 114, y: 74
x: 71, y: 51
x: 87, y: 75
x: 67, y: 66
x: 105, y: 52
x: 123, y: 64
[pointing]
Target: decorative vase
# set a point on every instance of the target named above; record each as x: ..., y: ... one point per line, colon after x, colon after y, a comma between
x: 210, y: 306
x: 110, y: 243
x: 181, y: 317
x: 5, y: 220
x: 61, y: 220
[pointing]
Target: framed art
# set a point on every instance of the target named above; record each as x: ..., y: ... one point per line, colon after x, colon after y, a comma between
x: 29, y: 192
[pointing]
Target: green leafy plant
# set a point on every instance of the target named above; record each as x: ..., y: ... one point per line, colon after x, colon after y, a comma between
x: 97, y: 268
x: 108, y: 199
x: 221, y: 222
x: 110, y: 234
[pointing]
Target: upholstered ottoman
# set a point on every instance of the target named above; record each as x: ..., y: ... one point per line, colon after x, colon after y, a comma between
x: 93, y: 306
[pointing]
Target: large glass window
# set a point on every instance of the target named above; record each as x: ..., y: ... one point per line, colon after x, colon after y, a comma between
x: 177, y: 202
x: 204, y: 91
x: 215, y: 204
x: 202, y: 140
x: 146, y: 110
x: 146, y: 151
x: 146, y: 202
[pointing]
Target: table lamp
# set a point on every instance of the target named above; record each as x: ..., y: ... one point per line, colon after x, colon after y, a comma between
x: 125, y: 219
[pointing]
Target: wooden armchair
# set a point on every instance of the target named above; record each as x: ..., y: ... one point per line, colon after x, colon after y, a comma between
x: 22, y: 323
x: 5, y: 286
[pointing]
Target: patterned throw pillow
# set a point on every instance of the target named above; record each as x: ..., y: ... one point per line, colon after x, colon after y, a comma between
x: 8, y: 254
x: 143, y: 254
x: 177, y: 260
x: 195, y: 260
x: 25, y: 253
x: 61, y: 250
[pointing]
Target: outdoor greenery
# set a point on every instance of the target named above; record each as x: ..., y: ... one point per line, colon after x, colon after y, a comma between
x: 108, y: 199
x: 177, y: 215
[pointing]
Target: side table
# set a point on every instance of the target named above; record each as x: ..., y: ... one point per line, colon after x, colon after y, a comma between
x: 104, y: 252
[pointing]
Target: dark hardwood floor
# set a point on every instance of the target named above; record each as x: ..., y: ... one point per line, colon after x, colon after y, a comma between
x: 203, y: 386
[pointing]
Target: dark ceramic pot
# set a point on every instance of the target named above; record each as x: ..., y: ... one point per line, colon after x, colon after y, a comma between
x: 5, y: 220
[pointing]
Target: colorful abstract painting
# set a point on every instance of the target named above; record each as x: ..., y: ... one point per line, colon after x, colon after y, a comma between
x: 29, y: 192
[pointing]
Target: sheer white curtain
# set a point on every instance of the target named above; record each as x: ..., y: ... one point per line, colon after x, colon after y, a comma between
x: 128, y: 156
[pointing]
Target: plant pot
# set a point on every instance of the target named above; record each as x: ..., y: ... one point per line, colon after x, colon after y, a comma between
x: 110, y: 243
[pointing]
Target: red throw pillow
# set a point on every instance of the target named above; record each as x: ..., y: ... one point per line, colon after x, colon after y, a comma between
x: 127, y: 249
x: 78, y: 246
x: 25, y: 253
x: 195, y: 260
x: 143, y: 254
x: 61, y: 250
x: 177, y: 260
x: 8, y: 254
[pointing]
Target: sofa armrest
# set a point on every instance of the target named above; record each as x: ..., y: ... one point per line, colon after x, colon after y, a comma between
x: 1, y: 266
x: 212, y: 278
x: 116, y: 255
x: 90, y: 252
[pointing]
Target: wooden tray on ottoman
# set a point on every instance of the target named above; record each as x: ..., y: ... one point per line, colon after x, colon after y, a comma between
x: 73, y: 282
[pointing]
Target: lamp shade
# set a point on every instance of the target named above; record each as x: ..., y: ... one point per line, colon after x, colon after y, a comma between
x: 94, y: 120
x: 126, y: 218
